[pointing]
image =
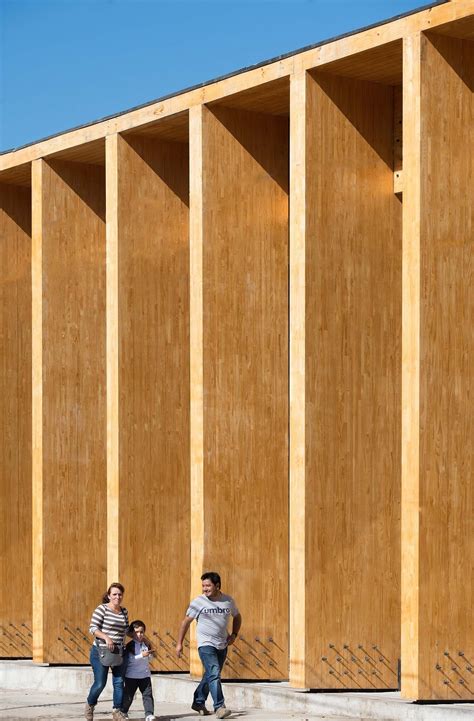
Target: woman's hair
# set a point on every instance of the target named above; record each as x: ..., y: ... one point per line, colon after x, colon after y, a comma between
x: 105, y: 597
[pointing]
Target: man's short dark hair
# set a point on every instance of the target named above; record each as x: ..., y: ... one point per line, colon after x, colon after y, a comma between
x: 213, y: 577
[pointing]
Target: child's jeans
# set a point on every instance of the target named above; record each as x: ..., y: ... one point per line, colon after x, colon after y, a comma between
x: 144, y: 684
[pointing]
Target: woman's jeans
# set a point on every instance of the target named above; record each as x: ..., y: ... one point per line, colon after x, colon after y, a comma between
x: 213, y: 661
x: 100, y: 680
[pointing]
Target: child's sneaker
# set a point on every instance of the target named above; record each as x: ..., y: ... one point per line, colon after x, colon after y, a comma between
x: 223, y: 712
x: 118, y: 715
x: 201, y: 709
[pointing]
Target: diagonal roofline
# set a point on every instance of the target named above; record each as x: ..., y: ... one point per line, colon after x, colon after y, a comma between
x: 232, y: 74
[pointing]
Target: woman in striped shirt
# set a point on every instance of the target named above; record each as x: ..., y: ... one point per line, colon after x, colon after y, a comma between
x: 109, y: 624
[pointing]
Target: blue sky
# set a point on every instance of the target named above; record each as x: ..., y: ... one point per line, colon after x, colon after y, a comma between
x: 68, y: 62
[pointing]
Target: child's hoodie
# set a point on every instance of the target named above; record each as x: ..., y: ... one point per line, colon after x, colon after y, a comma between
x: 137, y: 666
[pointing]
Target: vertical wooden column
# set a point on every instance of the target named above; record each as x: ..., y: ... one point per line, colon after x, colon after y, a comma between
x: 152, y: 266
x: 345, y: 485
x: 37, y: 168
x: 15, y: 421
x: 196, y: 200
x: 112, y: 367
x: 240, y: 289
x: 411, y: 368
x: 69, y: 406
x: 298, y: 211
x: 438, y: 305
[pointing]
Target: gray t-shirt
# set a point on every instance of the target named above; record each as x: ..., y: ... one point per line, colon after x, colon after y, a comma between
x: 212, y: 619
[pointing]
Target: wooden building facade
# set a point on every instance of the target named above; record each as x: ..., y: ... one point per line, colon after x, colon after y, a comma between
x: 236, y: 333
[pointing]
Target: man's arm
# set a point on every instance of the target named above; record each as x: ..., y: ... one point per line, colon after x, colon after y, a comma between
x: 236, y: 624
x: 183, y: 629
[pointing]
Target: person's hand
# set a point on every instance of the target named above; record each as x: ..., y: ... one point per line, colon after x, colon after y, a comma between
x: 179, y: 649
x: 231, y: 639
x: 147, y: 653
x: 109, y: 642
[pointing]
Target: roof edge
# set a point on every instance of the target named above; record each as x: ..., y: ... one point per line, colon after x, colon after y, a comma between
x: 232, y: 74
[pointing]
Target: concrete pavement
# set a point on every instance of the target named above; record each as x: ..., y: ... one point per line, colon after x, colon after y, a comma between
x: 46, y: 706
x: 59, y: 692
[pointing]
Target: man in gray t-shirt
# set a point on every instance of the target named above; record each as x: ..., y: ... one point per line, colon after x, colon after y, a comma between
x: 212, y: 612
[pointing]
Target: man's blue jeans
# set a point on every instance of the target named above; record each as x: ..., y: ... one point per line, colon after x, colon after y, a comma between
x: 212, y: 660
x: 100, y: 680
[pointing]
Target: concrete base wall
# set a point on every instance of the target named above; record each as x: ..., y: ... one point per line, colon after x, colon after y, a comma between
x: 174, y: 688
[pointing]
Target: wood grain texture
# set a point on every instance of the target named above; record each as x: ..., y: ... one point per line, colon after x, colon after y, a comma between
x: 196, y: 141
x: 18, y: 175
x: 74, y: 517
x: 455, y: 14
x: 410, y: 458
x: 153, y: 306
x: 161, y: 388
x: 382, y: 64
x: 15, y: 422
x: 297, y: 385
x: 112, y: 361
x: 245, y: 341
x: 270, y: 98
x: 37, y: 174
x: 446, y: 530
x: 353, y: 376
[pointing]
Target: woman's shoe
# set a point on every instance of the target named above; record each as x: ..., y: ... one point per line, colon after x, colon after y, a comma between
x: 201, y: 709
x: 89, y: 712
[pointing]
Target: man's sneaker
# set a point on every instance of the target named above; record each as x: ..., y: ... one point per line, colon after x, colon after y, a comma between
x: 223, y: 712
x: 150, y: 717
x: 201, y: 709
x: 89, y: 712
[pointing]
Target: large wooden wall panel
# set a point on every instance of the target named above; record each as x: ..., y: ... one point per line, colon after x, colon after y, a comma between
x: 353, y: 387
x: 153, y: 301
x: 70, y: 479
x: 438, y: 609
x: 184, y: 387
x: 15, y: 422
x: 245, y: 377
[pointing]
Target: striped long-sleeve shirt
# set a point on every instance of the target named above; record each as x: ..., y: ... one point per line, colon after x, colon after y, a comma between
x: 115, y: 625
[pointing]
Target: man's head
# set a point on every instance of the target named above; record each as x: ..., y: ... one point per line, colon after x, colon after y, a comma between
x: 211, y: 583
